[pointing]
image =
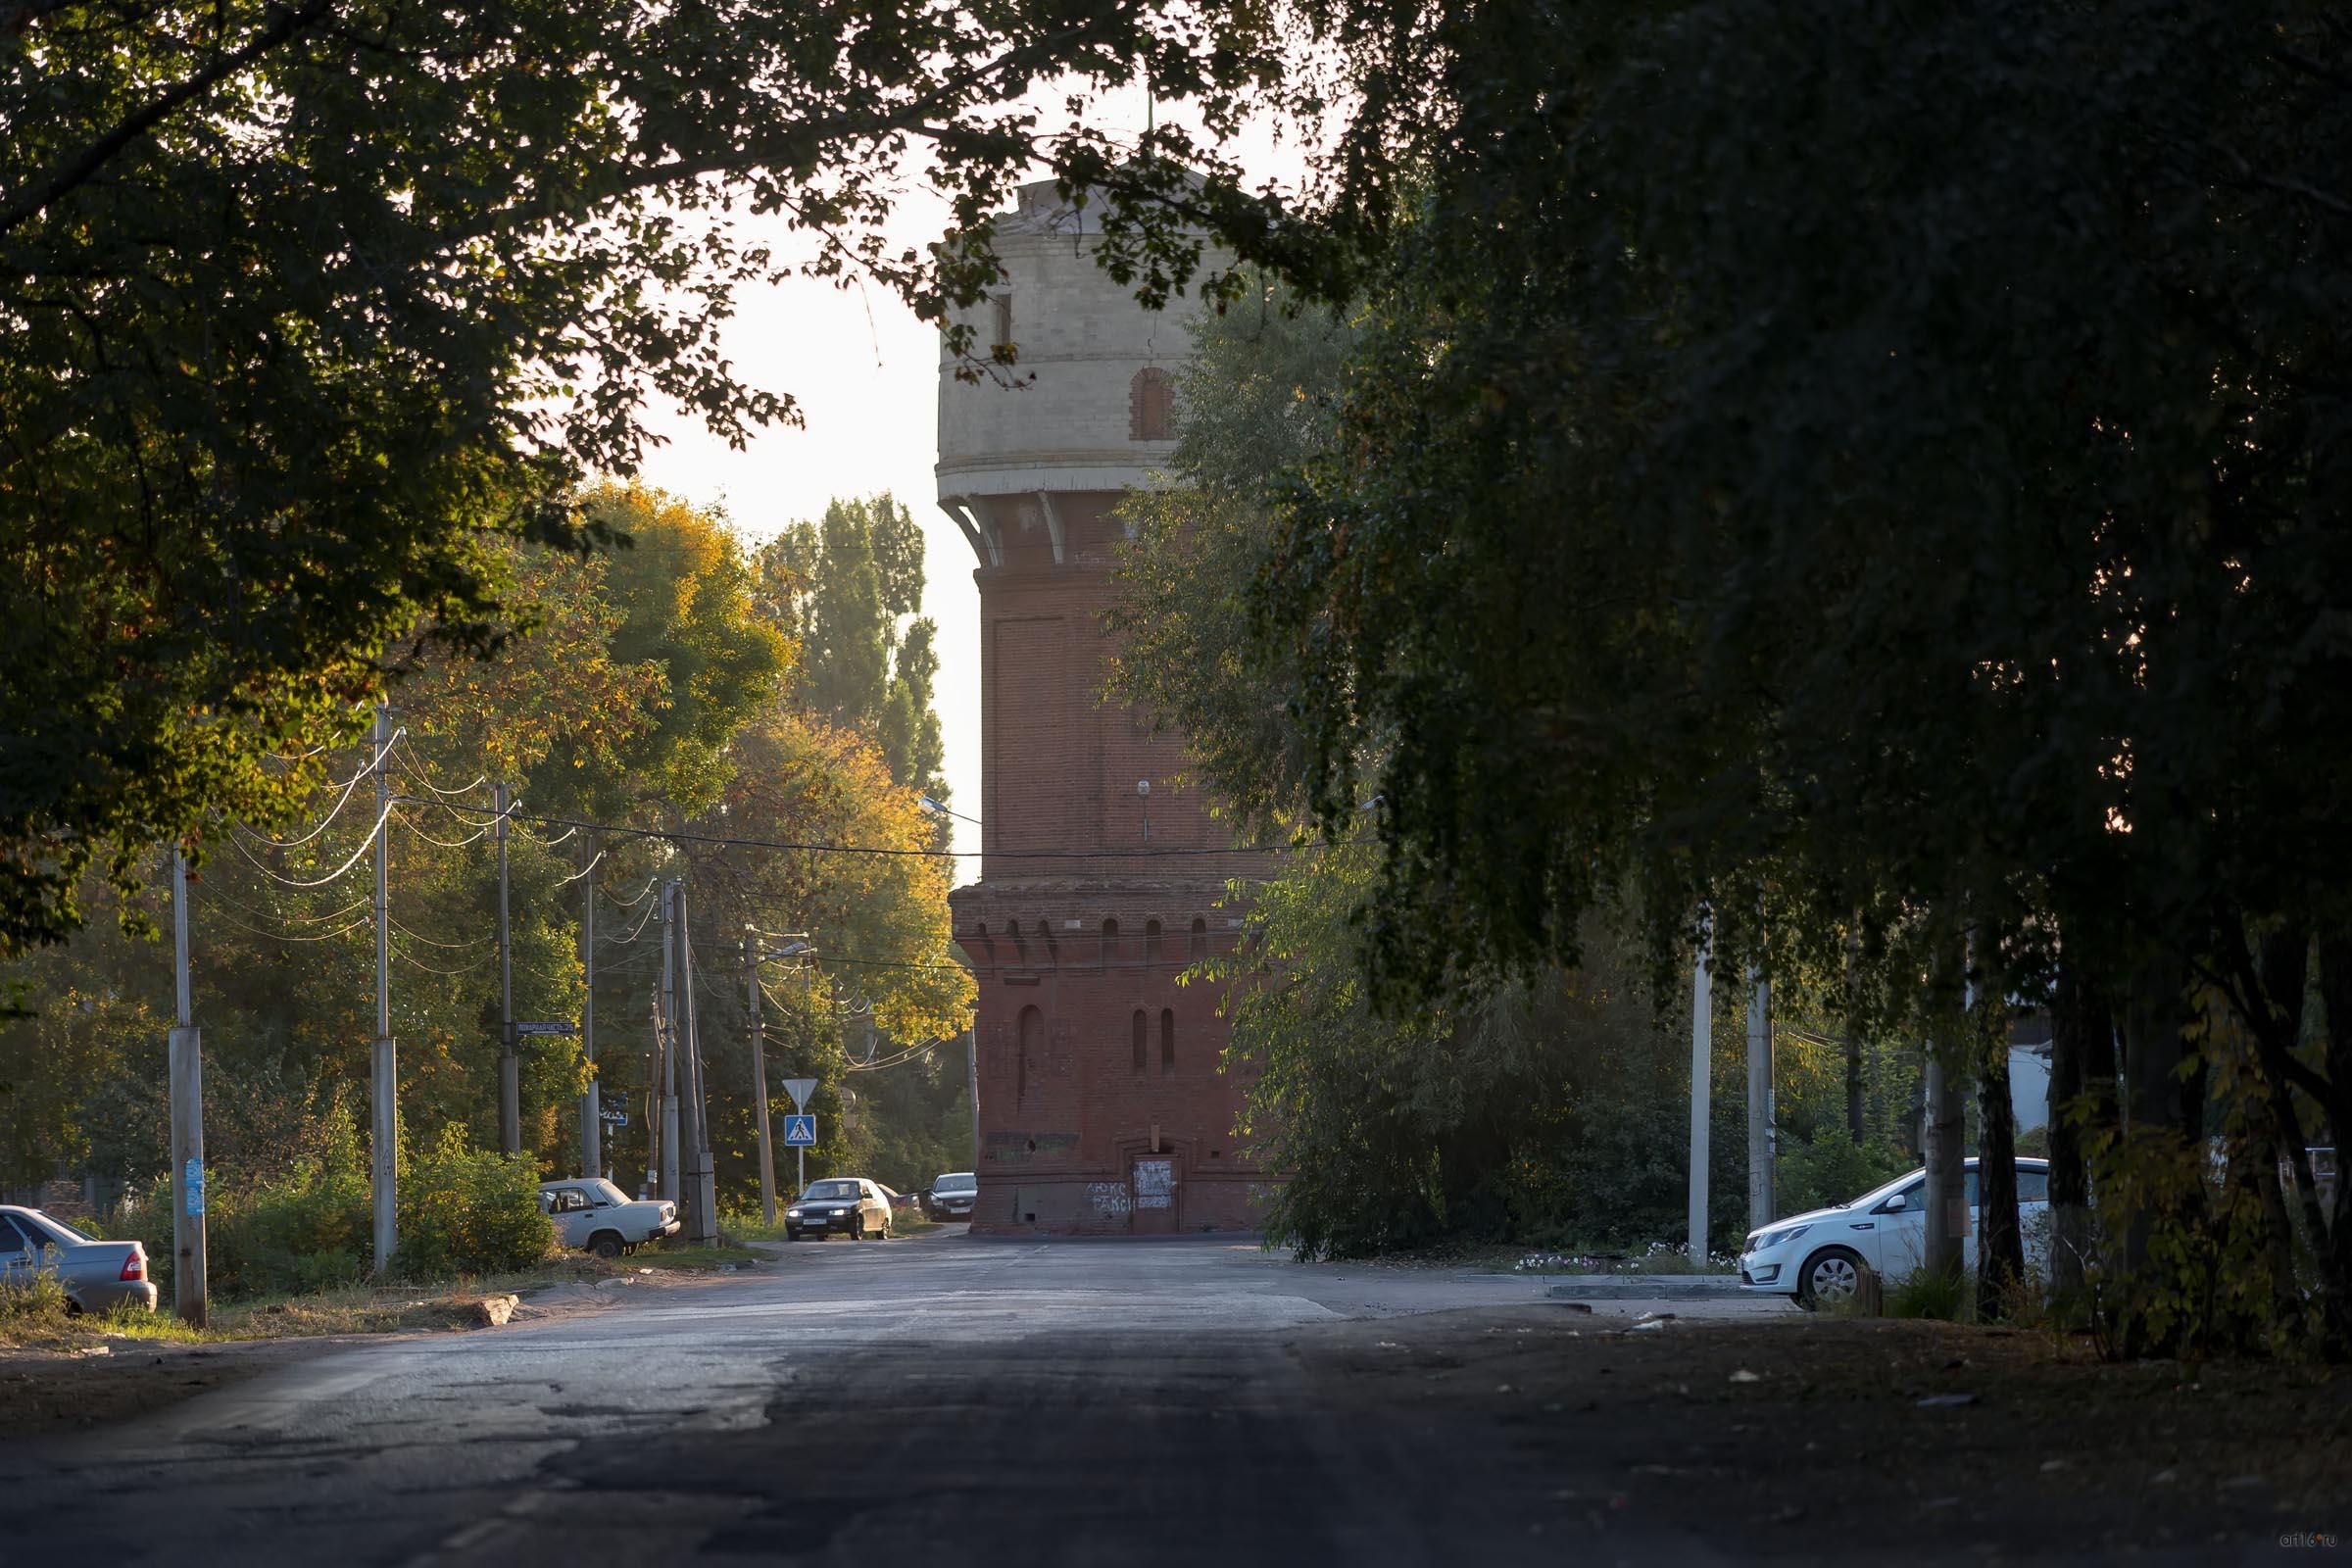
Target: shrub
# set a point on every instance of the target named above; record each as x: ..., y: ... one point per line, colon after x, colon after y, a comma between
x: 466, y: 1210
x: 38, y: 1301
x: 1833, y: 1169
x: 1933, y: 1292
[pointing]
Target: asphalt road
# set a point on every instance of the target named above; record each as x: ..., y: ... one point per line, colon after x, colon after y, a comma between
x: 938, y: 1401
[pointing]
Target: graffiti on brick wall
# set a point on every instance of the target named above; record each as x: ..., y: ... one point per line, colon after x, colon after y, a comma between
x: 1028, y: 1148
x: 1154, y: 1183
x: 1109, y: 1198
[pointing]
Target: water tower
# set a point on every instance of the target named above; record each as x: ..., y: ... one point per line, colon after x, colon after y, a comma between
x: 1101, y: 1105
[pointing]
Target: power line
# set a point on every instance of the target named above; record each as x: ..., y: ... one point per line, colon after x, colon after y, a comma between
x: 364, y: 846
x: 430, y: 943
x: 348, y: 787
x: 447, y: 844
x: 468, y: 968
x: 416, y: 770
x: 679, y: 836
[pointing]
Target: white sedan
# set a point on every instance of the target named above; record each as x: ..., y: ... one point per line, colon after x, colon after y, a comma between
x: 1820, y: 1256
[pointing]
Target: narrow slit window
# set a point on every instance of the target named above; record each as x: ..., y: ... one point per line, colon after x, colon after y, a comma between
x: 1143, y: 1039
x: 1196, y: 946
x: 1167, y: 1040
x: 1150, y: 940
x: 1111, y: 943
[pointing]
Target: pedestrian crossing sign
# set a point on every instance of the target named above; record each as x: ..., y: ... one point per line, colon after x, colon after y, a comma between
x: 800, y: 1132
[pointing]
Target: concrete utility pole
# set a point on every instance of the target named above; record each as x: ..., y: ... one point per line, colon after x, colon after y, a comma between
x: 666, y: 1037
x: 592, y: 1107
x: 768, y: 1147
x: 1701, y: 1025
x: 383, y: 1153
x: 702, y: 1177
x: 1763, y: 1133
x: 189, y: 1297
x: 510, y: 1068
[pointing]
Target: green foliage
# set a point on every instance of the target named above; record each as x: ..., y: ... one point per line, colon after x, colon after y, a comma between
x: 844, y: 589
x: 311, y: 304
x: 33, y: 1302
x: 468, y: 1210
x: 1833, y: 1169
x: 1933, y: 1292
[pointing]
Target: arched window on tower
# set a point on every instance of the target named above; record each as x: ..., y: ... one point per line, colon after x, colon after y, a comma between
x: 1143, y: 1040
x: 1196, y: 946
x: 1150, y: 940
x: 1032, y: 1053
x: 1167, y: 1040
x: 1111, y: 943
x: 1152, y: 406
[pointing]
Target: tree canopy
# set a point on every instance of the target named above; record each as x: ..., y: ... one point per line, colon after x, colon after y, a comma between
x: 309, y: 305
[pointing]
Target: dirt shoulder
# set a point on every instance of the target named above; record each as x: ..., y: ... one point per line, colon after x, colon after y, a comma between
x: 77, y: 1374
x: 1810, y: 1438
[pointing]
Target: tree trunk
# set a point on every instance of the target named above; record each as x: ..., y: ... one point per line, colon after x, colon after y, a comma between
x: 2152, y: 1103
x: 1853, y: 1036
x: 2334, y: 1250
x: 1945, y: 1192
x: 2000, y: 1246
x: 2073, y: 1016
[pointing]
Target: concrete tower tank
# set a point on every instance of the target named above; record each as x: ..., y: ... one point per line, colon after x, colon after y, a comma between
x: 1102, y: 877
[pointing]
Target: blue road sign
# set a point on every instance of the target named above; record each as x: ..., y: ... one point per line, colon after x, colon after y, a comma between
x: 800, y: 1132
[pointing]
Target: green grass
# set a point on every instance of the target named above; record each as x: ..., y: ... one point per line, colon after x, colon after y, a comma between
x: 669, y: 1256
x: 1929, y: 1293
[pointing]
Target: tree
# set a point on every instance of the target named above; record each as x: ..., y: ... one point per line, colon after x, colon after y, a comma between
x: 848, y: 590
x: 308, y: 303
x: 1951, y: 541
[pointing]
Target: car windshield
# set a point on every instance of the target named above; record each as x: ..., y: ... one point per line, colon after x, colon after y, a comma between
x: 825, y: 1189
x: 955, y: 1184
x: 601, y: 1191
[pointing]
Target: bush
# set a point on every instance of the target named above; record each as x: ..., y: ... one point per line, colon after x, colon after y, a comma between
x: 1931, y: 1293
x: 466, y: 1210
x: 38, y: 1301
x: 1835, y: 1169
x: 462, y: 1210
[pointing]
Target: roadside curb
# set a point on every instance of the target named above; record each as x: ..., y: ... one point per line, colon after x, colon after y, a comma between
x: 1634, y: 1286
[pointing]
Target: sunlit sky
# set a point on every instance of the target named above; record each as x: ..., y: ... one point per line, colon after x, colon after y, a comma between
x: 866, y: 373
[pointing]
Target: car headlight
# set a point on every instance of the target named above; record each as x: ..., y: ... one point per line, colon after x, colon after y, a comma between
x: 792, y: 1213
x: 1772, y: 1239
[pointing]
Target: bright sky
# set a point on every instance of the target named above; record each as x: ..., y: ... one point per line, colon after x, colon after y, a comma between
x: 866, y: 373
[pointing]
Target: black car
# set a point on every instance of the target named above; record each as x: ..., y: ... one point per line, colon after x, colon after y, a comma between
x: 839, y: 1205
x: 950, y: 1195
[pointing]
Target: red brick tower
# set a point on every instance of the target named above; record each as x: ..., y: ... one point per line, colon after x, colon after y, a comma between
x: 1102, y: 1108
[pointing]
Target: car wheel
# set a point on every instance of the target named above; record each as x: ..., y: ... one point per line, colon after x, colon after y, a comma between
x: 1830, y: 1277
x: 605, y: 1245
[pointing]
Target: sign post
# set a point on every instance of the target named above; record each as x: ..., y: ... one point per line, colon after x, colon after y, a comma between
x: 800, y: 1088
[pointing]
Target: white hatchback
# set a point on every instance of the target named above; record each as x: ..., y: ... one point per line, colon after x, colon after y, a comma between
x: 1820, y: 1256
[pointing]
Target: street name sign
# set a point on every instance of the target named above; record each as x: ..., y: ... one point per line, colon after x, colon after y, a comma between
x: 547, y: 1028
x: 800, y: 1132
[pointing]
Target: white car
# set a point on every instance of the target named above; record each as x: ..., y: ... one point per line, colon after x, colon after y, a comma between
x: 1820, y: 1257
x: 596, y: 1217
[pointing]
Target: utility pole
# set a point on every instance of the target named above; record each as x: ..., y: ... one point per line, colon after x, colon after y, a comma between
x: 1702, y: 1024
x: 509, y: 1069
x: 592, y: 1107
x: 701, y: 1190
x: 1762, y: 1134
x: 189, y: 1297
x: 768, y: 1147
x: 384, y: 1154
x: 666, y: 1036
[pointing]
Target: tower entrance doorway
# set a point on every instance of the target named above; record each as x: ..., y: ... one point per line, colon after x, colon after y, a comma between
x: 1152, y: 1179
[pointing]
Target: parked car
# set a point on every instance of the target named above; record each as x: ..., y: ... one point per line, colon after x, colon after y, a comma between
x: 897, y: 1200
x: 1820, y: 1256
x: 596, y: 1217
x: 839, y: 1205
x: 96, y: 1276
x: 952, y: 1195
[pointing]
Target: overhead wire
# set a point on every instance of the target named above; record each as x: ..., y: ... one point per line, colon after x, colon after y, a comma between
x: 431, y: 943
x: 294, y: 882
x: 447, y: 844
x: 681, y: 835
x: 583, y: 870
x: 214, y: 896
x: 349, y: 787
x: 416, y: 770
x: 280, y: 936
x: 467, y: 968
